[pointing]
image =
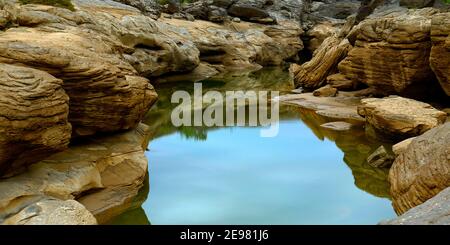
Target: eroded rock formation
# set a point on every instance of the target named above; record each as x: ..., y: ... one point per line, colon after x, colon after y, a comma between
x: 440, y: 52
x: 391, y: 52
x: 422, y: 170
x: 33, y: 116
x: 313, y: 73
x: 102, y: 173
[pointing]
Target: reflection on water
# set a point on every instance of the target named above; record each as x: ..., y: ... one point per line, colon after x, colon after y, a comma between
x: 229, y: 175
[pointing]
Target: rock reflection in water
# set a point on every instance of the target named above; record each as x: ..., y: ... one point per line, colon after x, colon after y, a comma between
x: 356, y: 148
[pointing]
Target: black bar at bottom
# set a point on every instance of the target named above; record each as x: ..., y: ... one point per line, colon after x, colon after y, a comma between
x: 225, y: 234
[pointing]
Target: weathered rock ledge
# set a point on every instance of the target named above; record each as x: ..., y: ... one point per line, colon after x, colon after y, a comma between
x: 98, y: 177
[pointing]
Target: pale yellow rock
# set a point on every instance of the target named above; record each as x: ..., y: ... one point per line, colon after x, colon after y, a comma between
x: 397, y: 118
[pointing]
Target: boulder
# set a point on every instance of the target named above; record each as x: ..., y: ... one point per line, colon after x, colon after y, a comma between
x: 172, y: 6
x: 397, y: 118
x: 391, y: 53
x: 33, y: 116
x: 422, y: 170
x: 198, y: 9
x: 434, y: 211
x: 285, y: 9
x: 337, y: 9
x: 251, y: 11
x: 440, y: 37
x: 218, y: 15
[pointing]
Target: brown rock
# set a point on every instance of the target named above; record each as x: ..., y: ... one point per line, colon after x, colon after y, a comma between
x: 341, y: 83
x: 325, y: 91
x: 439, y: 61
x: 33, y: 116
x: 115, y: 98
x: 397, y: 118
x: 312, y: 74
x: 391, y: 53
x: 422, y: 170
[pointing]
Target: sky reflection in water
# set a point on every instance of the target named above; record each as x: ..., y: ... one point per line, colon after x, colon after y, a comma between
x: 236, y: 177
x: 305, y: 175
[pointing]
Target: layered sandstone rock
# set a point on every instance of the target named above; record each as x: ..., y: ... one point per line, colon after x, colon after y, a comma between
x: 422, y: 170
x: 105, y: 93
x: 399, y: 118
x: 440, y: 52
x: 33, y: 116
x: 102, y: 173
x: 391, y: 52
x: 313, y: 73
x: 241, y: 45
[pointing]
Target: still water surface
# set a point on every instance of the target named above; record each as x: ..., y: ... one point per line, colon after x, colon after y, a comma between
x: 230, y: 175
